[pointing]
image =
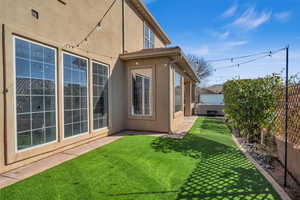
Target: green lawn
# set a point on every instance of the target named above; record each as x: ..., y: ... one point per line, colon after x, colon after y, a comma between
x: 204, y: 165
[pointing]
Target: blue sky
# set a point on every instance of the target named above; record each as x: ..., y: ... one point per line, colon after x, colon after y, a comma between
x: 216, y: 29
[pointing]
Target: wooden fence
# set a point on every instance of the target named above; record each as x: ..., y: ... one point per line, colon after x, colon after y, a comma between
x: 293, y: 116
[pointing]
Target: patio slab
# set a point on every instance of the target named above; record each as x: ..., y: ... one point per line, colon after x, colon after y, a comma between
x: 184, y: 127
x: 39, y: 166
x: 82, y: 149
x: 4, y: 181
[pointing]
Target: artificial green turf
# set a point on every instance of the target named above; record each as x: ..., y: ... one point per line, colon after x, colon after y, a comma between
x: 204, y: 165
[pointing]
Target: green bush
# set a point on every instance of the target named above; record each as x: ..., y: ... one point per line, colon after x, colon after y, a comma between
x: 250, y: 104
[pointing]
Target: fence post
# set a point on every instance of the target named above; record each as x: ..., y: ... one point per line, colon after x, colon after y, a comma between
x: 286, y: 114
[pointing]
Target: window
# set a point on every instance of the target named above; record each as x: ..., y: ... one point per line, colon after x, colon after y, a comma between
x: 75, y: 95
x: 141, y: 92
x: 100, y: 95
x: 178, y: 91
x: 148, y: 38
x: 35, y: 73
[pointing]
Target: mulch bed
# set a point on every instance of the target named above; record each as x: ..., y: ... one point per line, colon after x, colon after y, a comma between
x: 293, y: 188
x: 272, y: 165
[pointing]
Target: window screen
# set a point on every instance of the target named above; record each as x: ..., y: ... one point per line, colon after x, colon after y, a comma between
x: 75, y: 95
x: 141, y: 92
x: 100, y: 95
x: 35, y: 70
x: 178, y: 91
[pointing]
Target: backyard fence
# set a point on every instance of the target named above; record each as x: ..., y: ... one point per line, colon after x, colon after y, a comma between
x: 293, y: 116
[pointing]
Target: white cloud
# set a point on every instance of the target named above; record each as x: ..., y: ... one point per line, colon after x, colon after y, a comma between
x: 200, y: 51
x: 148, y: 1
x: 221, y: 35
x: 230, y: 11
x: 283, y: 16
x: 235, y: 43
x: 251, y: 19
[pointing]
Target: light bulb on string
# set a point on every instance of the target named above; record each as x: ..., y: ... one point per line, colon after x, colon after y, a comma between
x: 98, y: 27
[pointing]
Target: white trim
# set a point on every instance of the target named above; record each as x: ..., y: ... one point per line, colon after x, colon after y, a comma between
x: 148, y: 37
x: 63, y: 96
x: 15, y: 96
x: 108, y: 88
x: 100, y: 129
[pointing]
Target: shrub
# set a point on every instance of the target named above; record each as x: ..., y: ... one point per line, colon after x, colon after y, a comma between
x: 250, y: 104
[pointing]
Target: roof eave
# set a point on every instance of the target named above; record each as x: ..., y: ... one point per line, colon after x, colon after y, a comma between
x: 145, y: 55
x: 173, y: 52
x: 151, y: 20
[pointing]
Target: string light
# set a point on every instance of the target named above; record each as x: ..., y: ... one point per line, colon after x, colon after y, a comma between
x: 270, y: 53
x: 231, y: 59
x: 97, y: 27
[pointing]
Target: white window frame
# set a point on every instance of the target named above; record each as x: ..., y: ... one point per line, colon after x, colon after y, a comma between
x: 143, y: 97
x: 108, y: 89
x: 63, y: 96
x: 15, y: 95
x: 147, y: 38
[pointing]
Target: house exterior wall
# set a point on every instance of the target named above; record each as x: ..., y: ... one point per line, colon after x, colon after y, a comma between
x: 188, y: 97
x: 159, y: 121
x: 176, y: 117
x: 60, y: 26
x: 134, y: 27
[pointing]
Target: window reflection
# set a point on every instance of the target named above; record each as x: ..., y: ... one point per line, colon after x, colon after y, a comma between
x: 178, y: 91
x: 75, y: 92
x: 35, y: 93
x: 100, y: 95
x: 141, y: 91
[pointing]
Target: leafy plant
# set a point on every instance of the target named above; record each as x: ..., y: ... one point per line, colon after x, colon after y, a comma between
x: 250, y: 104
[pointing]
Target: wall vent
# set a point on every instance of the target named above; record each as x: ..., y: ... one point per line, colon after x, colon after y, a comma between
x: 62, y: 2
x: 35, y: 14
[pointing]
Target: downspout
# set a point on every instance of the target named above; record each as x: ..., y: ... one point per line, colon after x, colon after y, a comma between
x: 4, y: 95
x: 123, y: 26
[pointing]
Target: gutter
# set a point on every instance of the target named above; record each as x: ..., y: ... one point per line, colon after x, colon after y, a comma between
x: 148, y: 55
x: 183, y: 57
x: 164, y: 52
x: 5, y: 136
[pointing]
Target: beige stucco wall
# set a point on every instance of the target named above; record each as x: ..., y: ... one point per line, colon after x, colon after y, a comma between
x: 176, y: 117
x: 134, y: 27
x: 159, y: 43
x: 57, y: 26
x: 188, y: 97
x: 159, y: 121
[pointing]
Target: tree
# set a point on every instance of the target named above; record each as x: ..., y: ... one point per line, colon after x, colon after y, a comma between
x: 202, y: 68
x: 250, y: 104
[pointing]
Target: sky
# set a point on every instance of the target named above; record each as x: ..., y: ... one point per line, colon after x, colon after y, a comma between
x: 216, y: 29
